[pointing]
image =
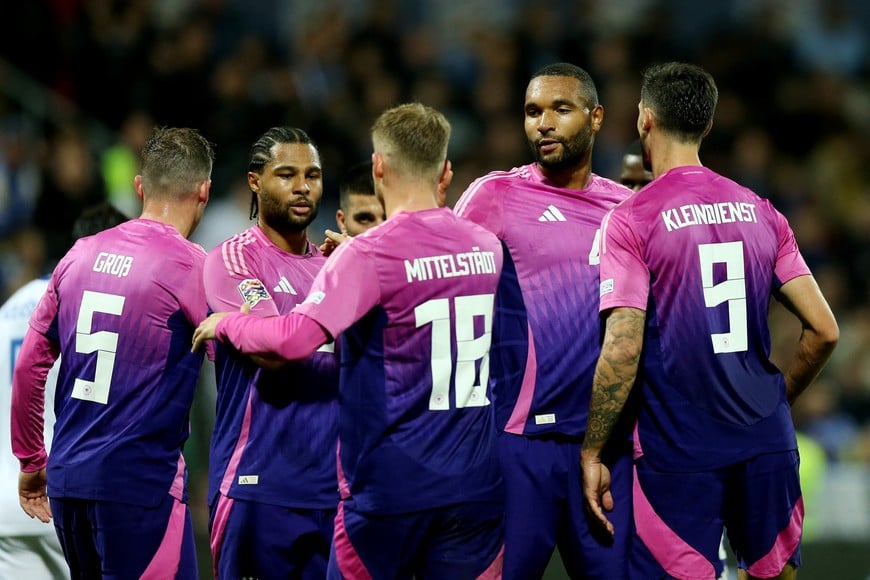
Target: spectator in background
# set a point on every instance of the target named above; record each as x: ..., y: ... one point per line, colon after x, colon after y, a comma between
x: 119, y: 164
x: 71, y: 183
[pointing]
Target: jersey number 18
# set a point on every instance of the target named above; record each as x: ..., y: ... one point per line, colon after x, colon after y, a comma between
x: 472, y: 352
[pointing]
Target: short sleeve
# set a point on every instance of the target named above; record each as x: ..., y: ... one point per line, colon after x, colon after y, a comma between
x: 789, y: 262
x: 226, y: 288
x: 624, y: 274
x: 480, y: 204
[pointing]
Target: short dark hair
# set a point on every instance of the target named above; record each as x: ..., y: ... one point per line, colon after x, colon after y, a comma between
x: 97, y: 218
x: 566, y: 69
x: 356, y: 181
x: 682, y: 97
x: 261, y: 152
x: 175, y: 160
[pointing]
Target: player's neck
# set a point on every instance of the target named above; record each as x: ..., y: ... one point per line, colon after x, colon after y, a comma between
x: 410, y: 199
x: 182, y: 218
x: 669, y: 154
x: 574, y: 177
x: 292, y: 242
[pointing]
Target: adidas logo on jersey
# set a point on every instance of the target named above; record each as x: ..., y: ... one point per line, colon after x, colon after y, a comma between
x: 552, y: 214
x: 284, y: 286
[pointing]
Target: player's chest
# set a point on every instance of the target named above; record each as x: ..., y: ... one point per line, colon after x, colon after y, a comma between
x: 288, y: 282
x: 555, y: 230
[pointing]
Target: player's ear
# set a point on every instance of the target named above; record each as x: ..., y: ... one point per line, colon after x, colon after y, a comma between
x: 596, y: 116
x: 137, y: 185
x: 377, y: 166
x: 647, y: 119
x: 204, y: 190
x: 339, y: 219
x: 254, y: 181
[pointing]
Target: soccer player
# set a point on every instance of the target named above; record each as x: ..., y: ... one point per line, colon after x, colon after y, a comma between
x: 547, y: 215
x: 29, y: 548
x: 688, y: 266
x: 359, y: 208
x: 413, y: 302
x: 120, y: 308
x: 633, y: 174
x: 273, y: 486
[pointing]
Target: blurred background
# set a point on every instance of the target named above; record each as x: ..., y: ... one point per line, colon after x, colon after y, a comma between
x: 82, y: 82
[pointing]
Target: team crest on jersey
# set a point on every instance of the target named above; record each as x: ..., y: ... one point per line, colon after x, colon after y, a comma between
x: 252, y: 291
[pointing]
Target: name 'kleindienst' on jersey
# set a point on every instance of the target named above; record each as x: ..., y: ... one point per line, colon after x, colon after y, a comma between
x: 450, y: 265
x: 705, y: 214
x: 114, y: 264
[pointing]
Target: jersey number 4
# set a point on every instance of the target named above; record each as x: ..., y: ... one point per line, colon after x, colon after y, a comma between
x: 103, y: 342
x: 731, y: 290
x: 472, y: 352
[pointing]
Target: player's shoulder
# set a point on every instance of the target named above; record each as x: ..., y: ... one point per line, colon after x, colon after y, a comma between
x: 235, y: 253
x: 608, y: 188
x: 487, y: 186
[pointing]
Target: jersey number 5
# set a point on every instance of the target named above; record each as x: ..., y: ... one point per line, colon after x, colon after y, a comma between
x: 103, y: 342
x: 472, y: 352
x: 731, y: 290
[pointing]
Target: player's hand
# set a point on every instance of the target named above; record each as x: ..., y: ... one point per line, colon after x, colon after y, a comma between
x: 332, y: 241
x: 207, y: 329
x: 32, y: 495
x: 596, y: 488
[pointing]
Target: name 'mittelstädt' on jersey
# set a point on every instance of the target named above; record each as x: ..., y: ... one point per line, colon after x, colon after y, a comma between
x: 450, y: 265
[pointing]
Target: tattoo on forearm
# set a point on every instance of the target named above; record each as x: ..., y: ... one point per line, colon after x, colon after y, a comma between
x: 614, y: 374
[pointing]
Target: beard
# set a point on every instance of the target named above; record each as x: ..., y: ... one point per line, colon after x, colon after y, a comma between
x: 279, y: 214
x: 573, y: 149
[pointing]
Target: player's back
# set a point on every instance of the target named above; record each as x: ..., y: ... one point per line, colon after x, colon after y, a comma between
x: 416, y: 424
x: 714, y: 251
x: 123, y: 305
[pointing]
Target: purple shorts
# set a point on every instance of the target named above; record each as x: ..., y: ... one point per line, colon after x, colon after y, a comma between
x: 115, y: 540
x: 258, y: 540
x: 458, y: 541
x: 545, y: 508
x: 679, y: 518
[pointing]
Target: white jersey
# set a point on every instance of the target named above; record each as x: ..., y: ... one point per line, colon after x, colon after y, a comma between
x: 14, y: 317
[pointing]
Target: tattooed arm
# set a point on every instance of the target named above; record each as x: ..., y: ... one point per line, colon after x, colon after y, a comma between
x: 614, y: 378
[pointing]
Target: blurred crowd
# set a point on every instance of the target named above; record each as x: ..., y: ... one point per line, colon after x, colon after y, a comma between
x: 83, y: 81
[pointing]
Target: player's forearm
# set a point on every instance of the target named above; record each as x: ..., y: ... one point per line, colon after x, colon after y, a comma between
x: 614, y: 376
x: 35, y: 359
x: 292, y: 337
x: 813, y: 351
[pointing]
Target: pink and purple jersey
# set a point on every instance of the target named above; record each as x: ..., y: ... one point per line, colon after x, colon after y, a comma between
x: 276, y: 431
x: 701, y: 255
x: 413, y: 302
x: 547, y: 330
x: 122, y: 305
